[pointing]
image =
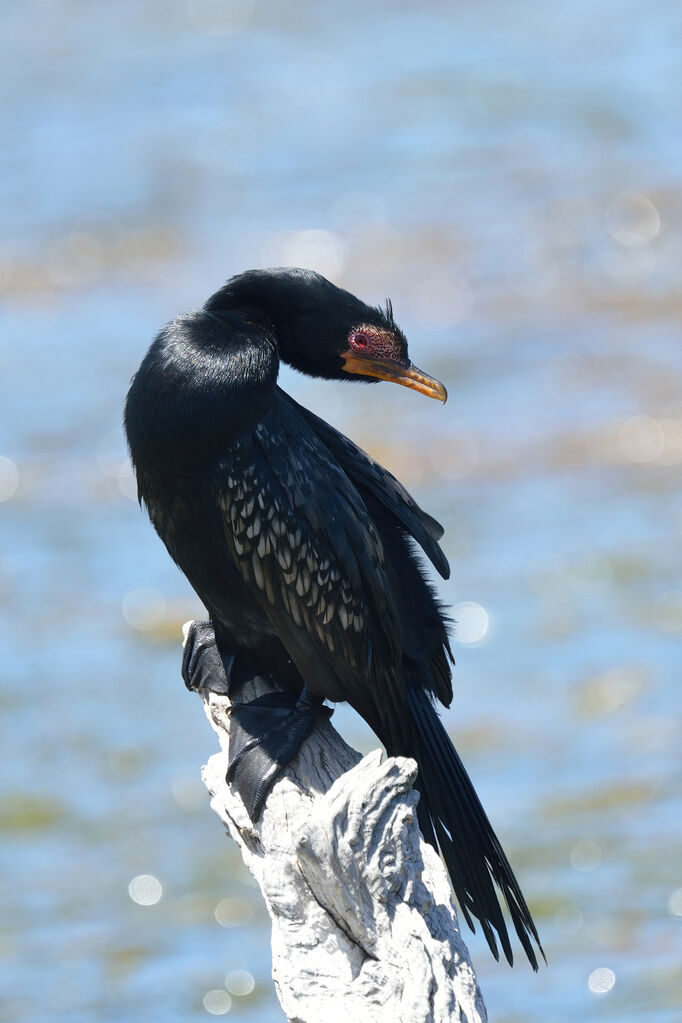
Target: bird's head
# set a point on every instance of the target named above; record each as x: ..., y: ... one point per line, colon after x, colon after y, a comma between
x: 324, y: 331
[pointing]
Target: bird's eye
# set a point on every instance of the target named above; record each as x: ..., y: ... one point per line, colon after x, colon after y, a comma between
x: 360, y: 340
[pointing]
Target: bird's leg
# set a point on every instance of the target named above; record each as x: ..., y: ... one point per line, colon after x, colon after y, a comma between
x: 265, y: 733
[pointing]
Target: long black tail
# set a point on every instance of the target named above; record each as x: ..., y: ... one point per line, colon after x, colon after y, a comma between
x: 452, y: 819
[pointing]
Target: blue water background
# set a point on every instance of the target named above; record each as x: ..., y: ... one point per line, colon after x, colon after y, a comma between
x: 509, y: 173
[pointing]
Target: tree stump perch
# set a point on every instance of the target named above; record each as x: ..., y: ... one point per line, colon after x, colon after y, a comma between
x: 363, y: 925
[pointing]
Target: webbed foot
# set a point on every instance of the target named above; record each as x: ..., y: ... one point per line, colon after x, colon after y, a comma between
x: 265, y: 733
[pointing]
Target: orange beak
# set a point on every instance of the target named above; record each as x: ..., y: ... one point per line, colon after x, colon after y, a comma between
x: 406, y: 374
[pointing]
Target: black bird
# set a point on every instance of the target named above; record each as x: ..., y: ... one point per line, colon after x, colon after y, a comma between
x: 302, y: 547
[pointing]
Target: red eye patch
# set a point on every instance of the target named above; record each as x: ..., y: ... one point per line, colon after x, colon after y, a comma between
x: 380, y: 344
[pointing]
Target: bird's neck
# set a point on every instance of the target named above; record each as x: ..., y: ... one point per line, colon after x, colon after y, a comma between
x: 206, y: 378
x: 278, y: 296
x: 279, y: 301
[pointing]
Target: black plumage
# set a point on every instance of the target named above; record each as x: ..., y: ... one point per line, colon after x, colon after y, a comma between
x: 302, y: 547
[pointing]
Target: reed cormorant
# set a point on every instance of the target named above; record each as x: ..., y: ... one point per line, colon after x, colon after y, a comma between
x: 302, y: 548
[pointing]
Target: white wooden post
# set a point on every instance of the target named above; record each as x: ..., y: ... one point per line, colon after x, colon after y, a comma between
x: 363, y: 926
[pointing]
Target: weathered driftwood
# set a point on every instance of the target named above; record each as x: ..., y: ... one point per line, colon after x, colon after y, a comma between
x: 363, y: 926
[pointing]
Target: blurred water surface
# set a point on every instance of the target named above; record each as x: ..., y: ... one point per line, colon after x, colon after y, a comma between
x: 510, y: 175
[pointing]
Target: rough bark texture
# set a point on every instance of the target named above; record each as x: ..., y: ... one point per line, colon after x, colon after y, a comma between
x: 363, y: 926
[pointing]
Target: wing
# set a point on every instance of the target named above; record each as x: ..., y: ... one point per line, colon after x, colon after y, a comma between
x: 303, y: 540
x: 368, y: 475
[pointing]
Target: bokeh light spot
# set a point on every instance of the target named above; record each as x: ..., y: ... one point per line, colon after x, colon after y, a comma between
x: 233, y: 912
x: 471, y: 622
x: 9, y: 478
x: 585, y: 855
x: 601, y: 980
x: 240, y: 982
x: 675, y: 903
x: 217, y: 1002
x: 632, y: 219
x: 145, y: 890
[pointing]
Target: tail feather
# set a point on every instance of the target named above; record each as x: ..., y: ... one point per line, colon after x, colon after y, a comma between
x: 452, y: 814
